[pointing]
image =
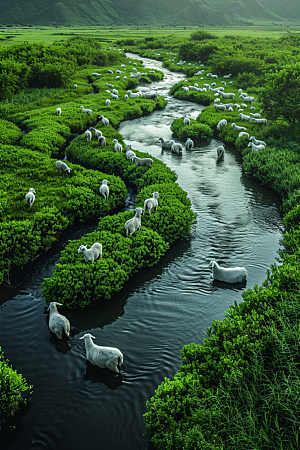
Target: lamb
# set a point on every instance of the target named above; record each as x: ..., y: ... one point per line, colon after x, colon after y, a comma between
x: 104, y: 357
x: 244, y: 117
x: 220, y: 151
x: 129, y: 153
x: 104, y: 120
x: 58, y: 323
x: 175, y: 147
x: 243, y: 133
x: 256, y: 141
x: 256, y: 148
x: 88, y: 135
x: 227, y: 95
x: 237, y: 128
x: 97, y: 132
x: 90, y: 254
x: 165, y: 144
x: 148, y: 162
x: 87, y: 111
x: 30, y: 197
x: 58, y: 111
x: 151, y: 202
x: 102, y: 140
x: 189, y: 144
x: 229, y: 275
x: 221, y: 107
x: 222, y: 124
x: 259, y: 120
x: 134, y: 224
x: 186, y: 120
x: 107, y: 102
x: 104, y: 189
x: 117, y: 147
x: 60, y: 165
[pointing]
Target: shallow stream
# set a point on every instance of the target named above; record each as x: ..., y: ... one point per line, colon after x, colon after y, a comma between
x: 77, y: 406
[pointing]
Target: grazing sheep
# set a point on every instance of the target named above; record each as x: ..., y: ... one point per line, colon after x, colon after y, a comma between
x: 87, y: 111
x: 227, y: 95
x: 75, y: 86
x: 90, y: 254
x: 252, y: 107
x: 176, y: 148
x: 185, y: 88
x: 129, y: 153
x: 230, y: 108
x: 220, y: 107
x: 256, y: 115
x: 228, y: 105
x: 117, y: 147
x: 110, y: 71
x: 102, y: 140
x: 104, y: 189
x: 217, y: 100
x: 258, y: 120
x: 58, y: 323
x: 97, y: 132
x: 96, y: 74
x: 107, y: 102
x: 30, y: 197
x: 214, y: 76
x: 58, y: 111
x: 104, y: 120
x: 114, y: 96
x: 220, y: 151
x: 110, y: 85
x: 189, y: 144
x: 133, y: 94
x: 60, y: 165
x: 88, y: 135
x: 256, y: 148
x: 223, y: 82
x: 148, y: 162
x: 240, y: 92
x: 222, y: 124
x: 247, y: 99
x: 151, y: 202
x: 256, y: 141
x: 104, y: 357
x: 134, y: 224
x: 237, y: 128
x: 186, y: 121
x: 126, y: 96
x: 229, y: 275
x: 165, y: 144
x: 227, y: 76
x: 243, y: 133
x: 243, y: 105
x: 244, y: 117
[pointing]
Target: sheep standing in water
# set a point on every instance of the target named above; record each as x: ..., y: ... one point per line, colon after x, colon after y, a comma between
x: 228, y: 275
x: 58, y: 323
x: 104, y: 357
x: 189, y: 144
x: 220, y: 151
x: 151, y: 202
x: 165, y: 144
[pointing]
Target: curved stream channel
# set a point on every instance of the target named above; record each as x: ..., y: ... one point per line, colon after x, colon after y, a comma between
x: 77, y: 406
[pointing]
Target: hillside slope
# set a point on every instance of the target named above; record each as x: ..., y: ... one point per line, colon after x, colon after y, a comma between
x: 146, y: 12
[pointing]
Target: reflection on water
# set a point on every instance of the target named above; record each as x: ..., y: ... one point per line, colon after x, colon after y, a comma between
x: 76, y: 405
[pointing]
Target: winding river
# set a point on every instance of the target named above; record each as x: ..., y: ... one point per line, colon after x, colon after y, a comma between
x: 77, y: 406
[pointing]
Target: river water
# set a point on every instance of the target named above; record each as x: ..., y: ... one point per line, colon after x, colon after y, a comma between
x: 75, y: 405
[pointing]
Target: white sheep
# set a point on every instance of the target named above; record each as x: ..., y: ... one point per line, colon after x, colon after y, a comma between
x: 237, y: 128
x: 240, y: 92
x: 30, y: 197
x: 88, y: 135
x: 217, y: 100
x: 104, y: 120
x: 243, y: 105
x: 189, y: 144
x: 220, y: 107
x: 176, y: 147
x: 214, y: 76
x: 96, y: 74
x: 244, y: 117
x: 223, y: 82
x: 114, y: 96
x: 222, y: 124
x: 58, y: 111
x: 75, y: 86
x: 227, y: 95
x: 129, y: 153
x: 126, y: 97
x: 256, y: 115
x: 134, y: 224
x: 110, y: 71
x: 104, y: 189
x: 243, y: 133
x: 151, y: 202
x: 228, y: 105
x: 230, y: 108
x: 256, y: 141
x: 256, y: 148
x: 117, y: 147
x: 148, y: 162
x: 220, y: 151
x: 247, y: 99
x: 107, y: 102
x: 87, y: 111
x: 90, y: 254
x: 186, y: 121
x: 60, y: 165
x: 104, y: 357
x: 151, y: 95
x: 58, y: 323
x: 229, y: 275
x: 258, y: 120
x: 110, y: 85
x: 97, y: 132
x: 165, y: 144
x: 133, y: 94
x: 102, y: 140
x: 252, y: 107
x: 185, y: 88
x: 227, y: 76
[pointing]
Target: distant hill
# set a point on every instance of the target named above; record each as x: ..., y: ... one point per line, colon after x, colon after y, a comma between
x: 147, y: 12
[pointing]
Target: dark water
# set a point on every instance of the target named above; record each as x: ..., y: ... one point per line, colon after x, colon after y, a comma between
x: 75, y: 405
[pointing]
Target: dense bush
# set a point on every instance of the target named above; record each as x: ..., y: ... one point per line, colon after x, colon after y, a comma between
x: 195, y: 130
x: 10, y: 134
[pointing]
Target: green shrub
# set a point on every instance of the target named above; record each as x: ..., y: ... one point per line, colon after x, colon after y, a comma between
x: 10, y: 134
x: 195, y: 130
